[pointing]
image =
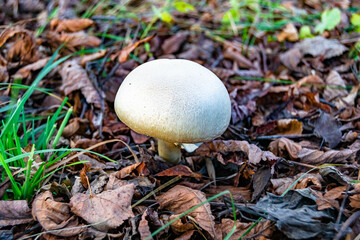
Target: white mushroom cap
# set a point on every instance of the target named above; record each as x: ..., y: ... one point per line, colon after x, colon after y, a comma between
x: 175, y: 100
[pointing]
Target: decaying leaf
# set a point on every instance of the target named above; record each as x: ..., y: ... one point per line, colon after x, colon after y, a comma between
x: 288, y: 33
x: 321, y: 46
x: 287, y: 148
x: 83, y: 178
x: 144, y: 228
x: 138, y: 169
x: 179, y: 170
x: 74, y: 40
x: 106, y: 210
x: 334, y: 80
x: 53, y: 215
x: 288, y: 127
x: 254, y: 153
x: 173, y: 44
x: 74, y: 77
x: 240, y: 194
x: 180, y: 199
x: 24, y: 72
x: 70, y: 25
x: 124, y: 53
x: 14, y: 212
x: 329, y: 128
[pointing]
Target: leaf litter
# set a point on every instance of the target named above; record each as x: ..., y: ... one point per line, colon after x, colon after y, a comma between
x: 289, y: 156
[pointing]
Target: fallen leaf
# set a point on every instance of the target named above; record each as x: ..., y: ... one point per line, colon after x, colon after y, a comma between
x: 75, y: 126
x: 240, y: 194
x: 73, y: 40
x: 309, y: 181
x: 74, y: 77
x: 253, y: 152
x: 237, y: 57
x: 14, y: 212
x: 53, y: 215
x: 173, y: 43
x: 321, y: 46
x: 83, y: 178
x: 25, y: 72
x: 260, y: 181
x: 280, y: 185
x: 138, y: 137
x: 329, y: 128
x: 179, y: 170
x: 334, y: 80
x: 288, y: 127
x: 291, y: 59
x: 289, y: 33
x: 70, y: 25
x: 106, y: 210
x: 180, y: 199
x: 137, y: 169
x: 92, y: 57
x: 144, y: 228
x: 124, y: 53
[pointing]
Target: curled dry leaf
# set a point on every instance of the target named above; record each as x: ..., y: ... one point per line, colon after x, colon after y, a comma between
x: 73, y: 40
x: 138, y: 137
x: 83, y: 178
x: 333, y: 81
x: 124, y: 53
x: 144, y: 228
x: 138, y: 169
x: 179, y: 170
x: 14, y: 212
x: 284, y: 147
x: 70, y: 25
x: 280, y: 185
x: 92, y: 57
x: 240, y: 194
x: 355, y: 199
x: 24, y: 72
x: 74, y: 77
x: 288, y: 127
x: 227, y: 224
x: 54, y: 215
x: 173, y: 43
x: 253, y: 152
x: 310, y: 180
x: 321, y: 46
x: 329, y: 199
x: 76, y: 125
x: 106, y: 210
x: 237, y: 57
x: 180, y: 199
x: 289, y: 33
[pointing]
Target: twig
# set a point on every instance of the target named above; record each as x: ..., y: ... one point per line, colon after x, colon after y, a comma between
x: 342, y: 207
x: 346, y: 225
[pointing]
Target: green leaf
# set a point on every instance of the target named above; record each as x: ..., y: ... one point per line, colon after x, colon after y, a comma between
x: 166, y: 17
x: 355, y: 19
x: 231, y: 15
x: 305, y: 32
x: 183, y: 6
x: 329, y: 20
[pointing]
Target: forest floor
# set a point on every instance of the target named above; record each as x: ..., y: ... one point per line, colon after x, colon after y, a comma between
x: 287, y: 167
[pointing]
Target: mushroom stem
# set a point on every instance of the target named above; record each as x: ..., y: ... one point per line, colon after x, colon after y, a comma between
x: 169, y: 152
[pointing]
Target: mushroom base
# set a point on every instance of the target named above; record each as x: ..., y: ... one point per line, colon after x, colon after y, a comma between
x: 169, y: 152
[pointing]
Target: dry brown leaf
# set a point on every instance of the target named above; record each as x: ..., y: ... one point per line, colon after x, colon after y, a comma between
x: 291, y: 59
x: 179, y: 170
x: 321, y: 46
x: 14, y: 212
x: 4, y: 75
x: 92, y: 57
x: 144, y: 228
x: 70, y: 25
x: 54, y: 215
x: 334, y: 80
x: 180, y: 199
x: 75, y: 126
x: 24, y: 72
x: 73, y: 40
x: 124, y: 53
x: 187, y: 235
x: 179, y: 226
x: 237, y: 57
x: 309, y: 181
x: 74, y: 77
x: 137, y: 169
x: 83, y: 178
x: 106, y: 210
x: 286, y: 148
x: 280, y: 185
x: 9, y: 33
x: 240, y: 194
x: 348, y: 100
x: 253, y: 152
x: 173, y: 43
x: 288, y: 127
x: 139, y: 138
x: 4, y: 186
x: 329, y: 128
x: 289, y: 33
x: 227, y: 225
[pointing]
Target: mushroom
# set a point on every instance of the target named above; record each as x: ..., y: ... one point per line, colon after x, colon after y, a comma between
x: 176, y: 101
